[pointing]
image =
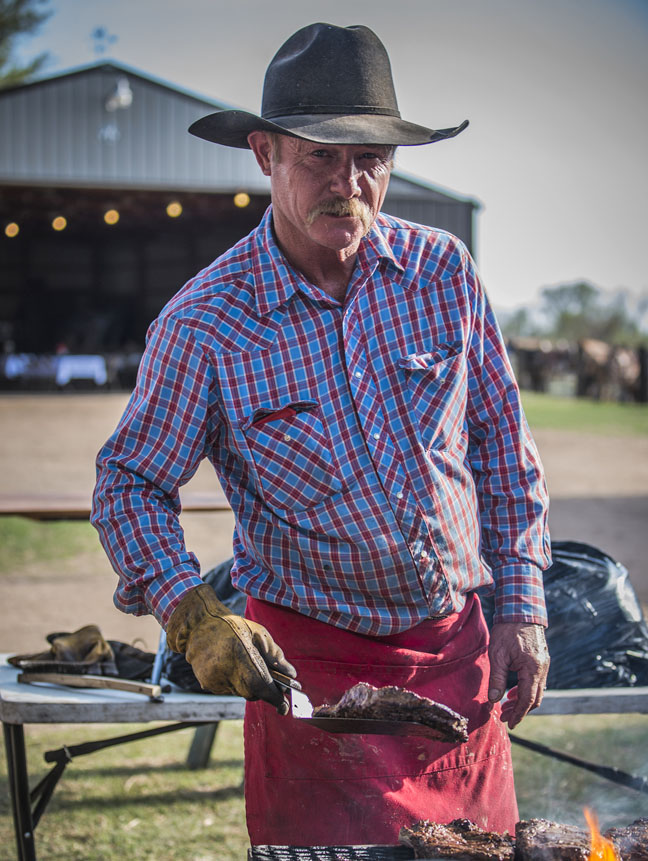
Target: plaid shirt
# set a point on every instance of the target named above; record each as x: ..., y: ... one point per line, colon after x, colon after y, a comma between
x: 374, y: 452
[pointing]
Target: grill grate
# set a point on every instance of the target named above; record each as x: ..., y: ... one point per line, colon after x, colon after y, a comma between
x: 330, y: 853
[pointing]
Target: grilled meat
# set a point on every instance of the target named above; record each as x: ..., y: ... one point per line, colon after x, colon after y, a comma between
x: 461, y: 840
x: 535, y: 840
x: 397, y: 704
x: 631, y: 842
x: 543, y: 840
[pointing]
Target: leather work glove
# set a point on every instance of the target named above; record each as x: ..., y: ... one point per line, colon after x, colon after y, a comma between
x: 82, y: 651
x: 228, y: 654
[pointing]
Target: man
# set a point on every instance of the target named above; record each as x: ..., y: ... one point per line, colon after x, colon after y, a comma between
x: 343, y: 372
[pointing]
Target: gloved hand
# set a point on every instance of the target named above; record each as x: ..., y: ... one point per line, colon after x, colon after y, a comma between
x: 228, y: 654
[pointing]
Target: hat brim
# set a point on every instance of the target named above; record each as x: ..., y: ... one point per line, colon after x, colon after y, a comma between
x: 231, y: 128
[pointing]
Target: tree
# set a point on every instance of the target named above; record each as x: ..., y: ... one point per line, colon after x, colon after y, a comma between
x: 518, y: 323
x: 581, y: 310
x: 18, y: 18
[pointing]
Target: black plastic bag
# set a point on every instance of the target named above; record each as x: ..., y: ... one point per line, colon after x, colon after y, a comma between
x: 597, y: 635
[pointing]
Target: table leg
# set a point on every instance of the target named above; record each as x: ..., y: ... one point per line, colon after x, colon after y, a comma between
x: 203, y: 740
x: 19, y: 790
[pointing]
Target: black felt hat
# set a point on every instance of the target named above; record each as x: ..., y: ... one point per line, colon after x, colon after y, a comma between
x: 329, y: 85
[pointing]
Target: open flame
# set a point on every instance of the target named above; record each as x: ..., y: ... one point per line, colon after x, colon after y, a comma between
x: 601, y: 849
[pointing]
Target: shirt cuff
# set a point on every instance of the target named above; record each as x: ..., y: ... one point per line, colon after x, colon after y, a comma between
x: 519, y: 595
x: 165, y: 592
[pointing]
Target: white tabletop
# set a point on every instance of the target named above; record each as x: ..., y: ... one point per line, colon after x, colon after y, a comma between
x: 594, y: 701
x: 47, y: 703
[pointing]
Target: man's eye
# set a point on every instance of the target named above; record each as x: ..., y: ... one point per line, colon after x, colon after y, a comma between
x: 371, y: 155
x: 320, y: 153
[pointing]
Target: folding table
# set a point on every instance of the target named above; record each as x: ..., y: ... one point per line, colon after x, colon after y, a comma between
x: 45, y: 703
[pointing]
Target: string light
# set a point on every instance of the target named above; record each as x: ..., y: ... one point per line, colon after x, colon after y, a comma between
x: 59, y: 223
x: 174, y: 209
x: 111, y: 216
x: 12, y: 230
x: 242, y: 199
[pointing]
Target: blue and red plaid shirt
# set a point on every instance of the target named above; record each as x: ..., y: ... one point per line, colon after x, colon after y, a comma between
x: 374, y: 452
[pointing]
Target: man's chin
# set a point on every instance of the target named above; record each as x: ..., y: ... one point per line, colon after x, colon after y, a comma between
x: 351, y: 223
x: 340, y: 232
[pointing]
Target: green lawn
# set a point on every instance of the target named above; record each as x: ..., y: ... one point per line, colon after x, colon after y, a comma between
x: 24, y: 540
x: 139, y: 801
x: 580, y: 414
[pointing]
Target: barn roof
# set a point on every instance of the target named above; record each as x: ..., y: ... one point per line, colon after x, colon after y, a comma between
x: 65, y: 130
x: 71, y: 128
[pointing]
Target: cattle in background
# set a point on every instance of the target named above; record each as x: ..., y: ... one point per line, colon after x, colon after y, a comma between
x: 589, y: 368
x: 607, y: 372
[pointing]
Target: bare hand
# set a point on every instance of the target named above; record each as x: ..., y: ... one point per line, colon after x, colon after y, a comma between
x: 521, y: 648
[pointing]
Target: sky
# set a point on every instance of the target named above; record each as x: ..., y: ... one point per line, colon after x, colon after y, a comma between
x: 555, y: 90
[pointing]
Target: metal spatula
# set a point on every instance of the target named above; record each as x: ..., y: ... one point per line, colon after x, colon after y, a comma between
x: 301, y: 708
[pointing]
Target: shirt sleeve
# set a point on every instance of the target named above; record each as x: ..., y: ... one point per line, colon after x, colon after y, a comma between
x: 511, y: 488
x: 156, y: 448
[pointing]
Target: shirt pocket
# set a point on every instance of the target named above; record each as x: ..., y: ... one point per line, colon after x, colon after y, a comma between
x: 436, y: 385
x: 290, y: 450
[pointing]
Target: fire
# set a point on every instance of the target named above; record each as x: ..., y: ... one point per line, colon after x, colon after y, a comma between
x: 601, y: 848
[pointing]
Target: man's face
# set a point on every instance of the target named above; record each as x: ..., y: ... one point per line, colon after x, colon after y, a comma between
x: 324, y: 196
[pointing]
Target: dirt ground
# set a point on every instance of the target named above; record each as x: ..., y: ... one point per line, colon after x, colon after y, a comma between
x: 598, y: 486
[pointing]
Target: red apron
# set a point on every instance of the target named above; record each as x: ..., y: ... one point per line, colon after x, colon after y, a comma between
x: 307, y: 787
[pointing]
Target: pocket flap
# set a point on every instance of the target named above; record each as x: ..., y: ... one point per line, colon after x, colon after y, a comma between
x: 266, y: 415
x: 423, y: 361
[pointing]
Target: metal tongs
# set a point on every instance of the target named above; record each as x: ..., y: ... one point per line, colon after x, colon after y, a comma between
x: 301, y: 708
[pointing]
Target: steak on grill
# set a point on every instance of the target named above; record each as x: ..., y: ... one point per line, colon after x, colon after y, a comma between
x: 631, y: 842
x: 543, y: 840
x: 461, y: 840
x: 397, y: 704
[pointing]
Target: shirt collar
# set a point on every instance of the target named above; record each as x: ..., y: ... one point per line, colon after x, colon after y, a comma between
x: 276, y: 281
x: 375, y: 249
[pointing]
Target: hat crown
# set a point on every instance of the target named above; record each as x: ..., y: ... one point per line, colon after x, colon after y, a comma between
x: 324, y: 69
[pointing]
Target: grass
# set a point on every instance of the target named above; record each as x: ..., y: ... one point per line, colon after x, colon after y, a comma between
x: 139, y: 801
x: 579, y: 414
x: 555, y: 790
x: 24, y: 541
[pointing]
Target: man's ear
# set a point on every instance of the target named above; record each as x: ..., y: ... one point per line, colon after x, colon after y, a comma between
x: 261, y: 146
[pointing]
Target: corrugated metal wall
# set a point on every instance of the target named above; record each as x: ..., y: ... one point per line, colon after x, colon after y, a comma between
x: 60, y: 131
x: 456, y: 218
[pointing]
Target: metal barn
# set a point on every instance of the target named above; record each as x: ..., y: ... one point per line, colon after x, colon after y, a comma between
x: 108, y: 205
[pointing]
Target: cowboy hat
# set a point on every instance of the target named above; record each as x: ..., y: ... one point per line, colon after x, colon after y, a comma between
x: 326, y: 84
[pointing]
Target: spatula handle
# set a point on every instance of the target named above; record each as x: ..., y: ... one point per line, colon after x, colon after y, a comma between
x: 285, y: 681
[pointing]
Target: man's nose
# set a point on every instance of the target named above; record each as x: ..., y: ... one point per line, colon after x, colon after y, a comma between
x: 345, y: 180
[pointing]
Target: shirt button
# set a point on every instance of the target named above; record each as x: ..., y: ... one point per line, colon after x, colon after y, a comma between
x: 287, y: 437
x: 358, y: 373
x: 376, y: 436
x: 399, y: 495
x: 423, y: 554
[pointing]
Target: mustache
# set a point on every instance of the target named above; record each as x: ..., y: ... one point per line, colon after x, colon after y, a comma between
x: 341, y: 206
